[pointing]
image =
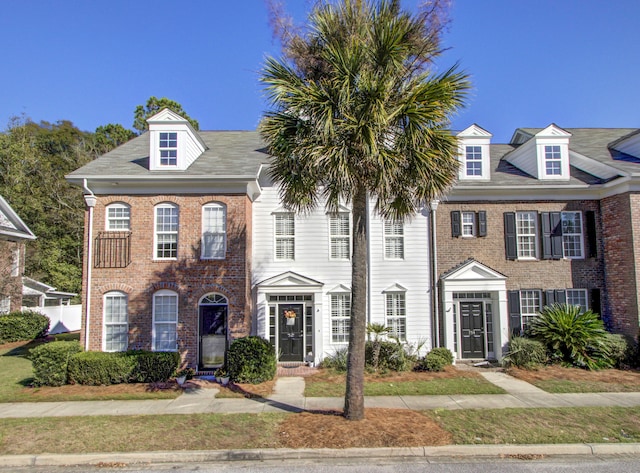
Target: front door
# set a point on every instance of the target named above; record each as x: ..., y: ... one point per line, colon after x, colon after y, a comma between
x: 213, y: 335
x: 291, y: 332
x: 472, y: 321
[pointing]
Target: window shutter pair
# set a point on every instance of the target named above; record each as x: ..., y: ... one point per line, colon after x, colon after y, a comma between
x: 551, y: 223
x: 555, y: 296
x: 480, y: 222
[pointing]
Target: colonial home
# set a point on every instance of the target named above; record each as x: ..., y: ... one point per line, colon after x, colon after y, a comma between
x: 13, y: 236
x: 187, y: 246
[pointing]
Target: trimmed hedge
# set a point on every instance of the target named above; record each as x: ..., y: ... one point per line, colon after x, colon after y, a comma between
x: 94, y: 368
x: 50, y: 362
x: 435, y: 360
x: 23, y: 325
x: 154, y: 366
x: 251, y: 360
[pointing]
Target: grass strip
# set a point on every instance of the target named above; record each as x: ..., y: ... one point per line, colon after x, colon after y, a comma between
x: 570, y: 386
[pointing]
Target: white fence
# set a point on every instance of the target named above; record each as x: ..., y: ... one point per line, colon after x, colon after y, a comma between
x: 64, y: 318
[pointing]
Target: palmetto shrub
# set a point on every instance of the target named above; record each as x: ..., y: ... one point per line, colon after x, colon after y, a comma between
x: 571, y: 336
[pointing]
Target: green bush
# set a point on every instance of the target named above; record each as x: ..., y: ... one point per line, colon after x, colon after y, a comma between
x: 50, y: 362
x: 95, y: 368
x: 338, y: 360
x: 612, y: 352
x: 154, y: 366
x: 570, y: 336
x: 435, y: 360
x: 251, y: 360
x: 525, y: 353
x: 443, y: 352
x: 392, y: 356
x: 25, y: 325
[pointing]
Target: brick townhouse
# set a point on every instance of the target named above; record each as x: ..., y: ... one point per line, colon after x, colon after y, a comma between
x: 187, y: 246
x: 14, y: 234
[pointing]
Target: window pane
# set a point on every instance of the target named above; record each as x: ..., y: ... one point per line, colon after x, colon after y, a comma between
x: 572, y: 234
x: 339, y: 236
x: 393, y: 240
x: 214, y: 231
x: 340, y: 313
x: 526, y: 234
x: 396, y: 315
x: 118, y: 217
x: 115, y: 320
x: 285, y: 236
x: 166, y: 308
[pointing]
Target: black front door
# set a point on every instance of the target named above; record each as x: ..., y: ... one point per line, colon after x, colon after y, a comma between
x: 291, y: 332
x: 472, y: 321
x: 213, y: 335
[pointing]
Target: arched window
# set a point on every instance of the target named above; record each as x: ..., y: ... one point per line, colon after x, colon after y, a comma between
x: 118, y: 217
x: 214, y: 231
x: 166, y: 231
x: 165, y: 320
x: 116, y: 321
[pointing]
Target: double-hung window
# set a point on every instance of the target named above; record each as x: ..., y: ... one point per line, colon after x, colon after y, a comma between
x: 552, y: 160
x: 396, y: 315
x: 166, y: 231
x: 473, y: 160
x: 165, y: 321
x: 118, y: 217
x: 340, y: 317
x: 168, y: 148
x: 529, y: 306
x: 468, y: 224
x: 214, y: 231
x: 393, y: 240
x: 572, y: 237
x: 285, y: 236
x: 116, y: 328
x: 578, y: 297
x: 339, y: 236
x: 526, y: 234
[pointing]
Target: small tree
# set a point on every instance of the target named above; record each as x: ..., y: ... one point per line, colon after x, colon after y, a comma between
x: 377, y: 330
x: 154, y: 105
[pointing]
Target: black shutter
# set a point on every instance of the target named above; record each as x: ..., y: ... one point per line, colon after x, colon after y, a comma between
x: 551, y: 223
x: 515, y: 323
x: 561, y: 296
x: 596, y: 304
x: 482, y: 223
x: 510, y: 235
x: 592, y: 241
x: 549, y: 297
x: 456, y: 229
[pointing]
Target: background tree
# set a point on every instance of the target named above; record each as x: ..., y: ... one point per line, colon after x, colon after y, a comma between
x: 154, y: 105
x: 110, y: 136
x: 358, y: 114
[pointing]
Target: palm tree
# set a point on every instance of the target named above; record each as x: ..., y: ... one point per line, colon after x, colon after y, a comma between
x: 377, y: 330
x: 359, y: 117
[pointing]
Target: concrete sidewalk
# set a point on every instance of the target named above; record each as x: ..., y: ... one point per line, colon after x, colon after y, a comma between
x: 288, y: 396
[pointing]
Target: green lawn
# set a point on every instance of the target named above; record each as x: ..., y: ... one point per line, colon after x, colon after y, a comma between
x: 572, y: 386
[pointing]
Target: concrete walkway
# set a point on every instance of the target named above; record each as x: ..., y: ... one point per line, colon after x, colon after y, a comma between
x: 288, y: 396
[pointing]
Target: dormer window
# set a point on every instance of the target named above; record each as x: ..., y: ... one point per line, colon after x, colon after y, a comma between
x: 474, y: 160
x: 168, y: 149
x: 474, y: 152
x: 553, y: 160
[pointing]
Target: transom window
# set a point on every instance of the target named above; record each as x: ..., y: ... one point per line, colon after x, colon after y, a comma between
x: 166, y: 231
x: 393, y: 240
x: 116, y: 322
x: 168, y: 149
x: 529, y: 306
x: 474, y: 160
x: 468, y: 224
x: 165, y: 321
x: 340, y: 317
x: 552, y: 160
x: 526, y: 231
x: 214, y: 231
x: 396, y: 315
x: 572, y: 234
x: 118, y: 217
x: 340, y: 236
x: 578, y: 297
x: 285, y: 235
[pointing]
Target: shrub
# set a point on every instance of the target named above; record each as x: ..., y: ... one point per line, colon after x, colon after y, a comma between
x: 525, y: 353
x: 251, y: 360
x: 25, y: 325
x: 571, y: 336
x: 50, y: 362
x: 612, y: 352
x: 338, y: 360
x: 96, y: 368
x: 443, y: 352
x: 392, y: 356
x: 154, y: 366
x: 435, y: 360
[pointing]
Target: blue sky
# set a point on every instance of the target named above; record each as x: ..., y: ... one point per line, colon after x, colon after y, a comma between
x: 571, y: 62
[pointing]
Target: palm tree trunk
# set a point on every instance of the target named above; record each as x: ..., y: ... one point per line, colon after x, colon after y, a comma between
x: 354, y: 397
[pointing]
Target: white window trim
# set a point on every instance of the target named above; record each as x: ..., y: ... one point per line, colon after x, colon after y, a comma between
x: 104, y: 319
x: 388, y: 236
x: 580, y: 235
x: 468, y: 161
x: 390, y: 296
x: 471, y: 224
x: 214, y: 205
x: 165, y: 205
x: 109, y: 220
x: 168, y: 148
x: 334, y: 238
x: 585, y: 293
x: 340, y: 318
x: 550, y: 149
x: 277, y: 238
x: 529, y: 315
x: 164, y: 292
x: 534, y: 235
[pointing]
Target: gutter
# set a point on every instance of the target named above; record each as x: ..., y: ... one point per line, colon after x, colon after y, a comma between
x: 90, y: 199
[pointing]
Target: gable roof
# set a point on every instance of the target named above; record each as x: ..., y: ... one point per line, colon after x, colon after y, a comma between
x: 11, y: 225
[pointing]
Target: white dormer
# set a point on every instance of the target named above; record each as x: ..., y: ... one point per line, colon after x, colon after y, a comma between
x: 473, y: 151
x: 173, y: 142
x: 545, y: 156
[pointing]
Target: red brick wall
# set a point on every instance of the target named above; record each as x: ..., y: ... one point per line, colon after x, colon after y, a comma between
x: 490, y: 250
x: 621, y: 245
x: 189, y: 276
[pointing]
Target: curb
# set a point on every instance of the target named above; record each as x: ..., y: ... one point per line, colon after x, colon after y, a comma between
x: 249, y: 455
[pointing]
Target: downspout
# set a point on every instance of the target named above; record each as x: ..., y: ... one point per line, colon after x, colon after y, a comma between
x: 434, y: 274
x: 90, y: 199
